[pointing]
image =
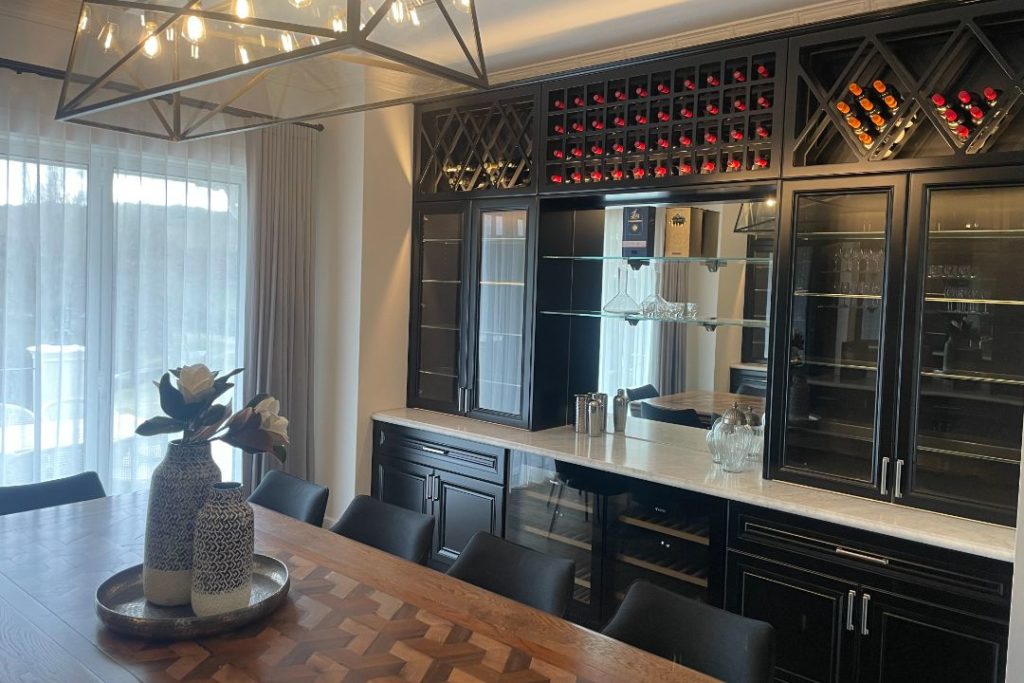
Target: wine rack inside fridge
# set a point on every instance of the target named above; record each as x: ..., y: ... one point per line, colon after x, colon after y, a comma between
x: 909, y: 93
x: 710, y: 116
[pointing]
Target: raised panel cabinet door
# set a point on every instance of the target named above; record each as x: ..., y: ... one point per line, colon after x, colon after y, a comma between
x: 402, y: 483
x: 906, y: 640
x: 811, y: 613
x: 464, y: 506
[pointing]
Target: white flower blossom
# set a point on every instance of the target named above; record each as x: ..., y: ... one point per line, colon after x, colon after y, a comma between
x: 195, y: 382
x: 271, y: 421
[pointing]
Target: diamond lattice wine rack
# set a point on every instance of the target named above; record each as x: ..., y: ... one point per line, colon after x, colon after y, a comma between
x: 912, y: 94
x: 479, y: 145
x: 711, y: 117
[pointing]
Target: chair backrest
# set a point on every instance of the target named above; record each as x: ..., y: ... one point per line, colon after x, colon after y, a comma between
x: 292, y: 496
x: 405, y: 533
x: 527, y: 576
x: 638, y: 393
x: 74, y: 489
x: 745, y: 389
x: 721, y: 644
x: 687, y: 417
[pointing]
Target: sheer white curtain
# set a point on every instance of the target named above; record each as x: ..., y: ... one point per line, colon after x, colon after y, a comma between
x: 120, y: 257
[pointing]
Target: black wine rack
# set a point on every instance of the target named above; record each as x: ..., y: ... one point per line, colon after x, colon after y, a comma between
x: 713, y: 116
x: 477, y: 145
x: 941, y: 53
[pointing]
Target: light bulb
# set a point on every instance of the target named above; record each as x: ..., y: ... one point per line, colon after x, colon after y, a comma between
x: 463, y: 5
x: 193, y: 51
x: 287, y: 41
x: 83, y: 19
x: 337, y: 20
x: 300, y: 4
x: 108, y: 36
x: 195, y: 29
x: 169, y: 34
x: 151, y: 45
x: 243, y: 9
x: 243, y: 54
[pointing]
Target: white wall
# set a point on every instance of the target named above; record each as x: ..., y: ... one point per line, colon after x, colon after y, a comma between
x: 362, y: 290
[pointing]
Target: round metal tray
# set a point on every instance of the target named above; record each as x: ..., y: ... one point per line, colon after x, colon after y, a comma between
x: 121, y: 605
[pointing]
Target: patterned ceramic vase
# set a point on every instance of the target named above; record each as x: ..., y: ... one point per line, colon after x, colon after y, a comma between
x: 178, y: 489
x: 222, y: 555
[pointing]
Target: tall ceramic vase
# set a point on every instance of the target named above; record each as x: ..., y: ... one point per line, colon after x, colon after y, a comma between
x: 179, y: 487
x: 223, y: 549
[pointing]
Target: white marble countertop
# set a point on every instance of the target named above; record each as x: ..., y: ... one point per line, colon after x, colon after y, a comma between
x: 687, y: 465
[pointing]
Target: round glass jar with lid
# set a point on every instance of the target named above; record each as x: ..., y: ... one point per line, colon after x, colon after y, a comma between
x: 731, y: 439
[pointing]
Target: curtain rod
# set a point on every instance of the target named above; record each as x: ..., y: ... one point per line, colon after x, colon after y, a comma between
x: 49, y: 72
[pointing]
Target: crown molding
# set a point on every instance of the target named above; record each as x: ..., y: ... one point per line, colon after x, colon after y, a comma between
x: 776, y: 21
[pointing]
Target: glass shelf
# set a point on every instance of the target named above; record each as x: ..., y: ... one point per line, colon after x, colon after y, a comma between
x: 633, y: 318
x: 837, y: 235
x: 837, y: 295
x: 712, y: 264
x: 959, y: 300
x: 968, y: 234
x: 963, y: 376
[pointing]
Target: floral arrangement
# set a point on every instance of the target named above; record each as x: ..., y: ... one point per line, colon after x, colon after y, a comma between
x: 190, y: 408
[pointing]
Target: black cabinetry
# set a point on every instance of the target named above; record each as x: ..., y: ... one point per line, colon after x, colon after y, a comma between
x: 471, y: 325
x: 854, y: 606
x: 462, y: 484
x: 899, y: 348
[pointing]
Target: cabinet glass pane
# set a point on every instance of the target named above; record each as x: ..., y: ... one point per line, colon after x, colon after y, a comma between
x: 970, y: 402
x: 440, y: 292
x: 499, y: 358
x: 839, y: 262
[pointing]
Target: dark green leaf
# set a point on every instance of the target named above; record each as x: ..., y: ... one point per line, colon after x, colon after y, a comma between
x: 281, y: 452
x: 219, y: 390
x: 176, y: 372
x: 256, y: 400
x: 217, y: 413
x: 250, y: 440
x: 230, y: 374
x: 159, y: 425
x: 171, y: 400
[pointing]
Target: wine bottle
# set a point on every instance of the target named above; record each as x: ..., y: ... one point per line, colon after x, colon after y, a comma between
x: 710, y: 137
x: 733, y: 164
x: 878, y: 120
x: 887, y: 94
x: 763, y: 131
x: 618, y: 147
x: 763, y: 102
x: 640, y: 146
x: 576, y: 152
x: 640, y: 118
x: 559, y: 104
x: 641, y: 91
x: 708, y: 166
x: 558, y: 154
x: 940, y: 102
x: 759, y: 162
x: 739, y: 76
x: 662, y: 87
x: 684, y: 168
x: 597, y: 124
x: 685, y: 140
x: 738, y: 104
x: 713, y: 80
x: 953, y: 118
x: 579, y: 101
x: 736, y: 134
x: 689, y: 84
x: 615, y: 174
x: 762, y: 71
x: 664, y: 116
x: 558, y: 128
x: 866, y: 139
x: 619, y: 121
x: 619, y: 95
x: 711, y: 109
x: 977, y: 114
x: 638, y: 172
x: 596, y: 176
x: 598, y: 98
x: 968, y: 99
x: 991, y: 96
x: 596, y: 149
x: 962, y: 131
x: 557, y: 178
x: 660, y: 171
x: 686, y: 112
x: 663, y: 143
x: 577, y: 126
x: 576, y: 177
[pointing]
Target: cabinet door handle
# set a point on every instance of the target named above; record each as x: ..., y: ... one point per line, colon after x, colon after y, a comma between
x: 863, y: 557
x: 898, y: 486
x: 885, y: 476
x: 849, y: 609
x: 437, y: 488
x: 427, y: 487
x: 864, y: 600
x: 461, y: 394
x: 435, y: 451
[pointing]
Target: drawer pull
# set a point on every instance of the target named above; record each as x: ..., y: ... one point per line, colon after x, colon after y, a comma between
x: 863, y: 557
x: 864, y: 600
x: 435, y: 451
x: 849, y: 609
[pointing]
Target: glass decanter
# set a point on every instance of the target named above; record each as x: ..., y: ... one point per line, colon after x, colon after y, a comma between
x: 622, y: 302
x: 654, y: 305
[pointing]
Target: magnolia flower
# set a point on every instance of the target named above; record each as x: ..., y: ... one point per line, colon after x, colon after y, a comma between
x: 270, y: 421
x: 195, y: 382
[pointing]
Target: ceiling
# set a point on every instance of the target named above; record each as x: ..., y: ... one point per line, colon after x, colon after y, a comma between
x: 531, y: 37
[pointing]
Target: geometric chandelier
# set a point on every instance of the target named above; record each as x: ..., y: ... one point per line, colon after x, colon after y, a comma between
x: 188, y: 69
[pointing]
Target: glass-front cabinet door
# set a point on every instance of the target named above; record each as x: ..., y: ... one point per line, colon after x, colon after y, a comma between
x: 837, y: 379
x: 965, y: 399
x: 437, y: 321
x: 500, y: 320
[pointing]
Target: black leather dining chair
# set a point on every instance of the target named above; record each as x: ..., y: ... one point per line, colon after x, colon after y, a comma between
x: 642, y: 392
x: 45, y: 494
x: 405, y: 533
x: 521, y: 574
x: 297, y: 498
x: 687, y: 417
x: 721, y: 644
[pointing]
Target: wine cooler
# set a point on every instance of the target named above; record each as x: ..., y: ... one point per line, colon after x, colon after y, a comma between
x: 903, y: 376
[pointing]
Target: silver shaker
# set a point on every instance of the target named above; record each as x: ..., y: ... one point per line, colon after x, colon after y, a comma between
x: 580, y: 413
x: 594, y: 425
x: 620, y: 408
x: 602, y: 401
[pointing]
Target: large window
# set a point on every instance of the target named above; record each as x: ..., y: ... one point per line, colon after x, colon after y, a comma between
x: 114, y: 267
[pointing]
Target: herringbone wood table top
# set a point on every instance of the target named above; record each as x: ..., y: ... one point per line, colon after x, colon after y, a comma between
x: 353, y: 614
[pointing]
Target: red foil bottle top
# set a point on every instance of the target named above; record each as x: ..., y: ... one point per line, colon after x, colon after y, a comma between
x: 556, y: 178
x: 739, y: 105
x: 963, y: 132
x: 762, y: 132
x: 577, y: 126
x: 689, y: 84
x: 712, y: 80
x: 663, y: 143
x: 976, y: 112
x: 733, y: 165
x: 597, y: 124
x: 660, y: 171
x: 598, y: 98
x: 558, y: 154
x: 761, y: 162
x: 764, y: 102
x: 664, y: 89
x: 576, y: 152
x: 685, y: 140
x: 686, y: 113
x: 951, y: 116
x: 708, y: 166
x: 710, y: 138
x: 685, y: 169
x: 736, y: 134
x: 640, y: 145
x: 619, y: 121
x: 663, y: 116
x: 641, y: 91
x: 939, y: 100
x: 559, y: 104
x: 619, y: 148
x: 762, y: 71
x: 596, y: 176
x: 619, y: 95
x: 640, y: 118
x: 579, y: 101
x: 597, y: 150
x: 739, y: 76
x: 639, y: 172
x: 559, y: 128
x: 616, y: 174
x: 711, y: 108
x: 964, y: 97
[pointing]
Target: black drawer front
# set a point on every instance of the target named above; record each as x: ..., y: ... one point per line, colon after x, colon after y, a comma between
x: 857, y: 554
x: 481, y: 461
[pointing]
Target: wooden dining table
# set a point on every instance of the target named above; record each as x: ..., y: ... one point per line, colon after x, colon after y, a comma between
x: 706, y: 402
x: 353, y: 613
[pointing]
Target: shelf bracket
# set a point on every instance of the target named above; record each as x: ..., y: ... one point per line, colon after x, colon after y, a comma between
x: 637, y: 263
x: 714, y: 264
x: 709, y: 326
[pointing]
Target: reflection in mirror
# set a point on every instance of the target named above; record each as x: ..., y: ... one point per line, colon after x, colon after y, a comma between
x: 703, y: 300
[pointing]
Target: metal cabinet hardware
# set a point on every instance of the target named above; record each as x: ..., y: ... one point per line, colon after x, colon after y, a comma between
x: 885, y: 476
x: 849, y: 609
x: 437, y: 488
x: 864, y: 600
x: 863, y: 557
x: 435, y: 451
x: 426, y: 488
x: 898, y: 487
